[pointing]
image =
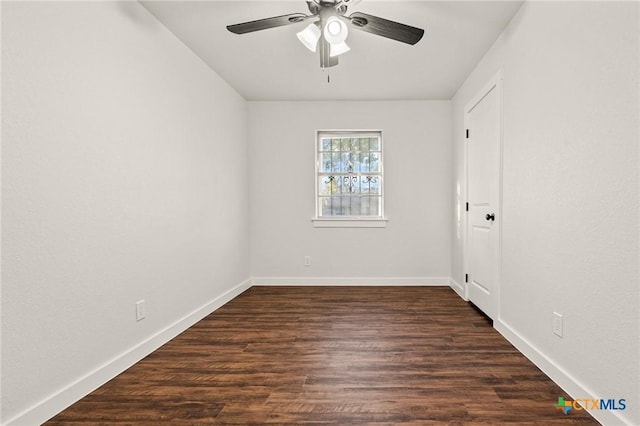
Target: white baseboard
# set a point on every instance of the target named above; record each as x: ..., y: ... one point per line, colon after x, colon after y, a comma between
x: 57, y: 402
x: 352, y: 281
x: 567, y: 382
x: 458, y: 288
x: 52, y: 405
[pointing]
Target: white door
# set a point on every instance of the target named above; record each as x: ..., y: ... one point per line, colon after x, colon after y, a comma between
x: 484, y: 135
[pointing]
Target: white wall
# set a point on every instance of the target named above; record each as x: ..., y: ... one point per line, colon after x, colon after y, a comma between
x: 123, y: 178
x: 570, y: 203
x: 417, y: 150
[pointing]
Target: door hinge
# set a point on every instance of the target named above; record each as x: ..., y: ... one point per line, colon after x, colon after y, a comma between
x: 467, y: 206
x: 467, y: 133
x: 466, y: 278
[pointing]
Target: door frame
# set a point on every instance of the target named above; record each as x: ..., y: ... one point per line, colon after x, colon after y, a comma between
x: 494, y: 83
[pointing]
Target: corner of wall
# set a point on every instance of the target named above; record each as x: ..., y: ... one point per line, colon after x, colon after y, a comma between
x: 572, y: 385
x: 52, y: 405
x: 458, y: 288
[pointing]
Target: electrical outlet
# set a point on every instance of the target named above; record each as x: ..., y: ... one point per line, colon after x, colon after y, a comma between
x: 557, y: 324
x: 140, y: 310
x: 307, y: 261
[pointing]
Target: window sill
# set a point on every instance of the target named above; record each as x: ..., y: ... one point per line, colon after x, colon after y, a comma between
x: 349, y: 223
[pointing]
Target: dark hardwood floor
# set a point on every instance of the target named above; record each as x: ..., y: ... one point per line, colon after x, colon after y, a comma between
x: 337, y: 355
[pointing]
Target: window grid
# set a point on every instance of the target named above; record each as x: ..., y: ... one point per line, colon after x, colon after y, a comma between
x: 349, y: 175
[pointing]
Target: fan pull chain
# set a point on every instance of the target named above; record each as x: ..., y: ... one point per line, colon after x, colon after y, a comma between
x: 323, y: 71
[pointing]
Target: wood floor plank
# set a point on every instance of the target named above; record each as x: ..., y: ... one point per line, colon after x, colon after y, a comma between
x: 332, y: 355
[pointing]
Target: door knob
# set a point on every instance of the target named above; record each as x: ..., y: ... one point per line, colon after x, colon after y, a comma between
x: 491, y: 216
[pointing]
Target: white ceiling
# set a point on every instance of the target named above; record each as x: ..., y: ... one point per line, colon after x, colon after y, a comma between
x: 273, y: 65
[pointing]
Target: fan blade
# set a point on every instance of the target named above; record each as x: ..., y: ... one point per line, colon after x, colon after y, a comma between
x: 326, y: 60
x: 385, y: 28
x: 263, y: 24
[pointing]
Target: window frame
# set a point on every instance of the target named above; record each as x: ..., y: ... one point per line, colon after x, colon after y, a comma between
x: 319, y: 221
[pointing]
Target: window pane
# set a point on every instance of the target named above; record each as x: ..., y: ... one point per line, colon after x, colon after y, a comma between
x: 374, y: 144
x: 372, y: 206
x: 335, y: 144
x: 327, y: 185
x: 325, y: 206
x: 345, y: 166
x: 350, y: 184
x: 359, y: 165
x: 374, y: 162
x: 336, y: 206
x: 325, y: 145
x: 365, y: 206
x: 346, y: 206
x: 364, y: 162
x: 371, y: 185
x: 336, y: 162
x: 339, y: 186
x: 355, y: 206
x: 325, y: 162
x: 351, y: 162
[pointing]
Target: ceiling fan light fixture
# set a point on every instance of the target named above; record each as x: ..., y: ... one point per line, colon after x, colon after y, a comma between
x: 334, y: 28
x: 335, y: 31
x: 310, y: 36
x: 338, y: 49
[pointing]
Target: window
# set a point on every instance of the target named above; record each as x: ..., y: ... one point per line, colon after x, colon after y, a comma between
x: 349, y: 179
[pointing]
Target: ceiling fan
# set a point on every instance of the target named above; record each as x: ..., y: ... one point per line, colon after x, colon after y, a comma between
x: 330, y: 26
